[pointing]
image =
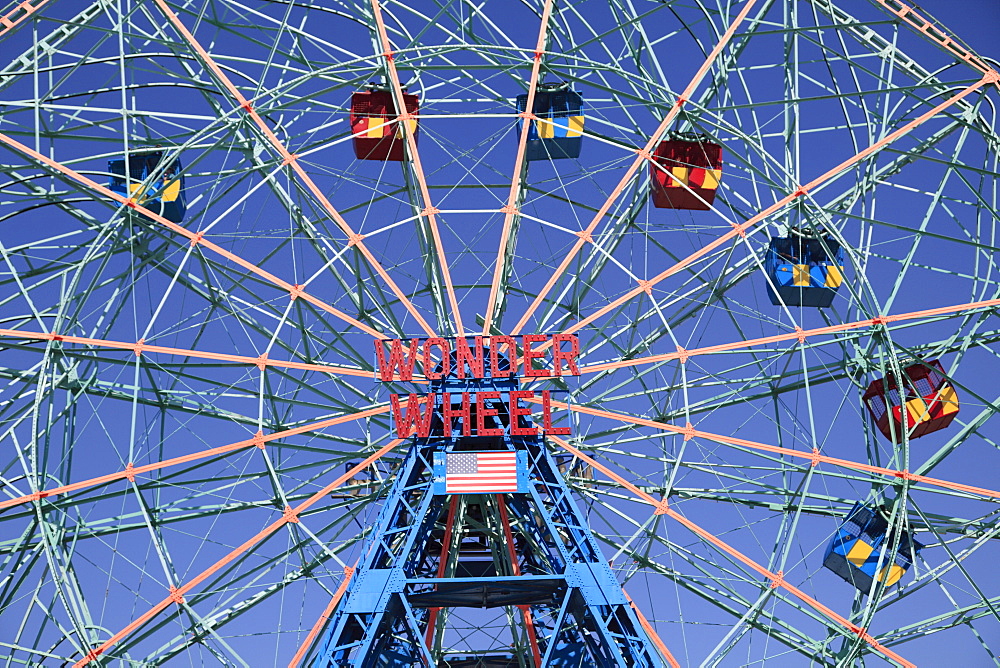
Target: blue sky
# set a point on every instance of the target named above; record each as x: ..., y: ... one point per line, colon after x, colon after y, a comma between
x: 133, y: 279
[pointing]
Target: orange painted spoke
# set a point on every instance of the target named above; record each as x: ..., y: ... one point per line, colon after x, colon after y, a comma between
x: 429, y: 211
x: 924, y: 26
x: 19, y: 14
x: 196, y: 239
x: 800, y: 335
x: 177, y: 593
x: 814, y: 457
x: 323, y: 618
x: 652, y: 632
x: 141, y: 348
x: 776, y: 579
x: 291, y: 159
x: 130, y: 472
x: 644, y: 154
x: 741, y: 229
x: 515, y: 184
x: 659, y: 504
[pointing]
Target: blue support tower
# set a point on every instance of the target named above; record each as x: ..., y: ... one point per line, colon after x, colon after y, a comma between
x: 434, y: 560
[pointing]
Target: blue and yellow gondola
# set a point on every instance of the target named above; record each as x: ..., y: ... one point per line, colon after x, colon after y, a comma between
x: 805, y: 268
x: 556, y: 132
x: 165, y: 195
x: 859, y: 551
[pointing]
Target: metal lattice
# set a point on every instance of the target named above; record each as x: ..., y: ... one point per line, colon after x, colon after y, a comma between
x: 193, y: 451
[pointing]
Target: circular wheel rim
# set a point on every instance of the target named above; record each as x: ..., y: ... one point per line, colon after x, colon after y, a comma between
x: 247, y: 328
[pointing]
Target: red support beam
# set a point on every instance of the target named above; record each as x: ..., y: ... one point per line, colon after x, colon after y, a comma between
x: 660, y: 645
x: 536, y: 653
x: 442, y: 564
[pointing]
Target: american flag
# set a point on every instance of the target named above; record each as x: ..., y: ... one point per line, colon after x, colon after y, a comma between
x: 481, y: 472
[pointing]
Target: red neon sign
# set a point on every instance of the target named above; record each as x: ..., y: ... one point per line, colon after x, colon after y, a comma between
x: 474, y: 412
x: 435, y: 356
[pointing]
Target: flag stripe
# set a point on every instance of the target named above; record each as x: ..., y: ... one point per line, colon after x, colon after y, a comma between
x: 485, y: 478
x: 481, y: 472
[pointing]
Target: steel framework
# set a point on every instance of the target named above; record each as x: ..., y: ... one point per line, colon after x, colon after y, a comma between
x: 433, y: 554
x: 197, y: 466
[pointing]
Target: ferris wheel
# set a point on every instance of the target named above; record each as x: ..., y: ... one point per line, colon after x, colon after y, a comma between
x: 766, y: 233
